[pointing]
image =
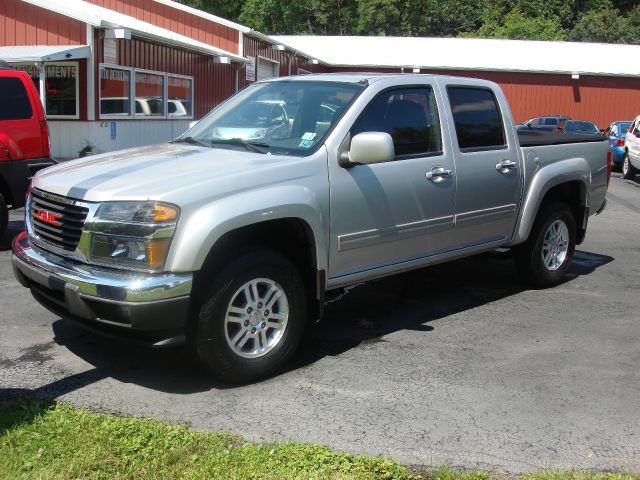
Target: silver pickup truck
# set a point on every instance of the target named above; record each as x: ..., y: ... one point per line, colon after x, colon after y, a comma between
x: 232, y: 237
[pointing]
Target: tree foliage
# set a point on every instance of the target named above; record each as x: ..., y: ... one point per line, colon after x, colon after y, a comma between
x: 614, y: 21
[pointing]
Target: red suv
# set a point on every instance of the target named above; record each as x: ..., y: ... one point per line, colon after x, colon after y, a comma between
x: 24, y: 139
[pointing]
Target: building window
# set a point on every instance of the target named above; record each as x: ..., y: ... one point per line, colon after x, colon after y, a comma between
x: 149, y: 94
x: 61, y: 83
x: 180, y: 91
x: 115, y: 91
x: 155, y: 94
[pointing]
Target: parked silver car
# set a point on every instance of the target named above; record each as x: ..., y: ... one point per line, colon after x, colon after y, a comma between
x: 253, y: 121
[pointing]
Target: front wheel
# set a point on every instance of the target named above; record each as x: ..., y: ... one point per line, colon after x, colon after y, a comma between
x: 628, y: 170
x: 544, y: 258
x: 253, y: 317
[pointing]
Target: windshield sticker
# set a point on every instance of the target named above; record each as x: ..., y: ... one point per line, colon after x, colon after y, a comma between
x: 306, y: 144
x: 309, y: 136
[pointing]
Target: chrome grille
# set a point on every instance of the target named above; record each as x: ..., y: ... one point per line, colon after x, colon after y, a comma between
x: 70, y: 217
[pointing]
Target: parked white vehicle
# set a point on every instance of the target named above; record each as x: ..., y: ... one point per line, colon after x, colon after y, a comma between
x: 631, y: 158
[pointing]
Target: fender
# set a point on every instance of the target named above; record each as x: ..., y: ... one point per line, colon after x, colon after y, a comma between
x: 208, y: 224
x: 549, y: 176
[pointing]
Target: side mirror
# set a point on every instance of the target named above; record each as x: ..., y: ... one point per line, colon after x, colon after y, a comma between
x: 371, y: 147
x: 192, y: 124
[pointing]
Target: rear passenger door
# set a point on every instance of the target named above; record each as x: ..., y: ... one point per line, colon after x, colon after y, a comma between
x: 488, y: 165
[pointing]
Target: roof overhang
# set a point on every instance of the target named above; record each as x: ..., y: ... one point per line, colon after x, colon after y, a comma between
x: 470, y: 54
x: 44, y: 53
x: 100, y: 17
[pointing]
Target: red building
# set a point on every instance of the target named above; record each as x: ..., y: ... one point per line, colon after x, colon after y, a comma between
x: 114, y: 74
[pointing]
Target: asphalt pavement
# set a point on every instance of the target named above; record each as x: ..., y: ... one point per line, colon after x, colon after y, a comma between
x: 459, y: 364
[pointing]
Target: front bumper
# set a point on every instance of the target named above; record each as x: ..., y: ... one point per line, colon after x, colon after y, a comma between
x: 151, y: 309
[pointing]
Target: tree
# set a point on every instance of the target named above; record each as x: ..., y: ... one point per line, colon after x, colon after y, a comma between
x: 379, y: 17
x: 225, y: 9
x: 607, y: 26
x: 517, y: 26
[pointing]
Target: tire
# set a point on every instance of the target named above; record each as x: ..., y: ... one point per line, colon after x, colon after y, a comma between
x: 238, y: 338
x: 535, y: 262
x: 4, y: 215
x: 628, y: 170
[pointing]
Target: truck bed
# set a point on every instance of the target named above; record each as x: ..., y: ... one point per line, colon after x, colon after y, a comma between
x: 537, y: 138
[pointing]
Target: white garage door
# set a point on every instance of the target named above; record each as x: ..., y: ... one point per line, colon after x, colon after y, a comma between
x: 267, y: 69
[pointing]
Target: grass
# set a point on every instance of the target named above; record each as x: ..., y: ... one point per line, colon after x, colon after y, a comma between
x: 48, y: 440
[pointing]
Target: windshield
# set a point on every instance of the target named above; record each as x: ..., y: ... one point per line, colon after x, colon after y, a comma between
x: 586, y: 127
x: 283, y: 117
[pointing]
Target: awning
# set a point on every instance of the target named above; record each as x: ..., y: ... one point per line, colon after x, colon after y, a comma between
x: 44, y: 53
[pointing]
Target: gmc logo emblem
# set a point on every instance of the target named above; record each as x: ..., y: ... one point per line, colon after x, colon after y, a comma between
x: 48, y: 217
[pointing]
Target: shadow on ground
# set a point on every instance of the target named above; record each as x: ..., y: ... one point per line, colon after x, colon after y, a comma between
x: 13, y: 228
x: 415, y: 301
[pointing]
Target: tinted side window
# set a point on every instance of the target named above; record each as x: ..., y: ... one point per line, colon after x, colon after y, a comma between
x: 477, y: 118
x: 550, y: 121
x: 409, y: 115
x: 14, y: 101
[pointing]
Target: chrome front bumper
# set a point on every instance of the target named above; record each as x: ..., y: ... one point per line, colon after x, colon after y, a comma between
x: 146, y: 307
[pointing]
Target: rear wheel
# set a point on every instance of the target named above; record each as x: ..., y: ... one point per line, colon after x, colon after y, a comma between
x: 253, y: 317
x: 4, y: 215
x: 628, y: 170
x: 544, y: 258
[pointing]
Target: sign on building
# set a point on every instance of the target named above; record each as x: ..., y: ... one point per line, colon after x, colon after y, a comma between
x: 250, y: 69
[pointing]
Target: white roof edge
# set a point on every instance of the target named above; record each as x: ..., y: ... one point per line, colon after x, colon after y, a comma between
x: 97, y: 16
x: 44, y: 53
x: 228, y: 23
x: 203, y: 14
x: 469, y: 54
x: 479, y: 69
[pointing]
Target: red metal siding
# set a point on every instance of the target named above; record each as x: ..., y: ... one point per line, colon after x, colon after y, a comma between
x: 177, y: 21
x: 24, y: 24
x: 254, y: 47
x: 599, y: 99
x: 213, y: 82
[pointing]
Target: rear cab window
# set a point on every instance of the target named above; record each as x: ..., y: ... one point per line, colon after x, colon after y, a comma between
x: 14, y: 100
x: 477, y: 119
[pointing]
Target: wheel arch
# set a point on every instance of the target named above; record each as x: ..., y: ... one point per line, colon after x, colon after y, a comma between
x: 569, y: 182
x: 291, y: 237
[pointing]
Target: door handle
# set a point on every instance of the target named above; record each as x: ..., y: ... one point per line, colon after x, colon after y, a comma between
x: 438, y: 174
x: 505, y: 166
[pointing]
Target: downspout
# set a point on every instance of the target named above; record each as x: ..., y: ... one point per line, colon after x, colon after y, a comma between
x: 91, y: 87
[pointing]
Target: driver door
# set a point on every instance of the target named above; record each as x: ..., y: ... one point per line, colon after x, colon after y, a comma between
x: 386, y: 214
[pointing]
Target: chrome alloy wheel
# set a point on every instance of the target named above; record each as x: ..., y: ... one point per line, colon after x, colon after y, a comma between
x: 555, y: 245
x: 256, y: 318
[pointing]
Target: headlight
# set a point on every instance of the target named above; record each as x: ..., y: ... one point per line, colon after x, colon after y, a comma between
x: 132, y: 235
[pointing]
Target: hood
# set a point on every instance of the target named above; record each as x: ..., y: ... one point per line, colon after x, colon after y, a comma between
x: 164, y: 172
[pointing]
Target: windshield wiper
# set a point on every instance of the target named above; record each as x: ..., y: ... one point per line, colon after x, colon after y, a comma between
x: 190, y: 140
x: 251, y: 146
